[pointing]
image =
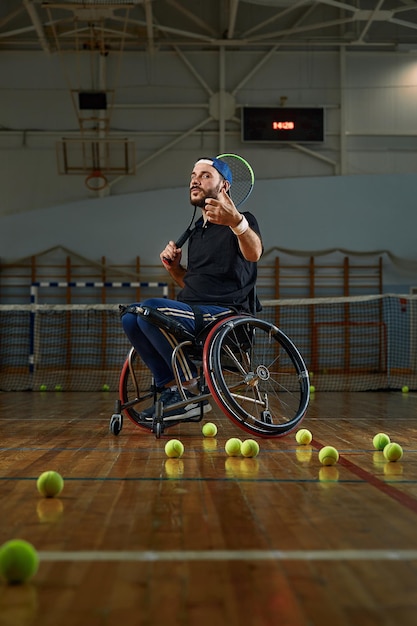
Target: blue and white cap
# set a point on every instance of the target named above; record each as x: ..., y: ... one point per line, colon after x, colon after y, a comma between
x: 219, y: 165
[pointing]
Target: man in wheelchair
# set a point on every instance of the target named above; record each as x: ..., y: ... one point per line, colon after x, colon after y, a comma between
x: 223, y: 250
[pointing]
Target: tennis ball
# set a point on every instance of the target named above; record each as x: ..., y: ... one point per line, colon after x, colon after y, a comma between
x: 209, y: 429
x: 393, y: 452
x: 58, y: 387
x: 405, y: 389
x: 328, y: 455
x: 233, y: 446
x: 174, y: 448
x: 19, y: 561
x: 249, y: 448
x: 105, y: 387
x: 303, y: 436
x: 43, y: 387
x: 380, y: 441
x: 312, y: 389
x: 50, y: 484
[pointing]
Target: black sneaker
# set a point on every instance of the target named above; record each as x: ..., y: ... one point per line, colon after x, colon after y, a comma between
x: 173, y: 396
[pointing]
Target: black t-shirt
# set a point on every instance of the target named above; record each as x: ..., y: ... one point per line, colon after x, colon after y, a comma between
x: 217, y: 272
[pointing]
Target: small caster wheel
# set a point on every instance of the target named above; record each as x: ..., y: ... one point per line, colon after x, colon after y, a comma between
x: 116, y: 424
x: 266, y: 417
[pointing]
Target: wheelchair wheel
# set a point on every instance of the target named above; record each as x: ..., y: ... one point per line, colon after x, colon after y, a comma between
x: 256, y: 376
x: 136, y: 390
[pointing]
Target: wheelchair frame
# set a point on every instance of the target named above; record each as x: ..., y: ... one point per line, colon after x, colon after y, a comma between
x: 248, y: 366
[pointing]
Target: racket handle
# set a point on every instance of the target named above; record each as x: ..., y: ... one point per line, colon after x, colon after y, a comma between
x: 180, y: 242
x: 185, y: 235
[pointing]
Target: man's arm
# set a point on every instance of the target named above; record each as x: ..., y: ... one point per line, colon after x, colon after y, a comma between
x: 171, y: 260
x: 250, y: 243
x: 223, y: 211
x: 177, y: 274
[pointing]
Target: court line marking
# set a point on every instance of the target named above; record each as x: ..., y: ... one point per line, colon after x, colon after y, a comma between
x: 181, y: 479
x: 200, y: 479
x: 229, y: 555
x: 107, y: 450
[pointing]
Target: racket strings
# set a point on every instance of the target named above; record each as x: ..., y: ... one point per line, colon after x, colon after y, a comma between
x: 242, y: 177
x: 239, y: 192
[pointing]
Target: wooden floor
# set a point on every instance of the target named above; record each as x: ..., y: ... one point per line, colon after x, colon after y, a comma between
x: 139, y: 539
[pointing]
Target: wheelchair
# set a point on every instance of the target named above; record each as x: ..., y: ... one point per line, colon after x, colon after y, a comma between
x: 247, y: 366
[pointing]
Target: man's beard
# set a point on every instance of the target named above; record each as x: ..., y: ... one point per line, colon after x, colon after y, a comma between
x: 212, y: 193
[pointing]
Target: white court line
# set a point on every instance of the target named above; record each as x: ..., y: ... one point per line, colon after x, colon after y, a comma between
x: 231, y: 555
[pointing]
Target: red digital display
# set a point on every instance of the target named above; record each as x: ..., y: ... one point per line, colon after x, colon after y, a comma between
x: 283, y: 125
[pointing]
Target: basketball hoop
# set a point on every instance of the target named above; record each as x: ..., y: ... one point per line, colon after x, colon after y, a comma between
x: 96, y: 181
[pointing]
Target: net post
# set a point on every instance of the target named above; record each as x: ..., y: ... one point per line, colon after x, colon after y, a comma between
x: 33, y: 301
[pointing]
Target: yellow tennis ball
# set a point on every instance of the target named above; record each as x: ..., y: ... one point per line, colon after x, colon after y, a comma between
x: 380, y: 441
x: 303, y: 436
x: 43, y: 387
x: 105, y: 387
x: 233, y: 446
x: 174, y: 448
x: 50, y: 484
x: 328, y: 455
x: 405, y: 389
x: 249, y: 448
x: 312, y: 389
x: 19, y: 561
x: 209, y: 429
x: 393, y: 452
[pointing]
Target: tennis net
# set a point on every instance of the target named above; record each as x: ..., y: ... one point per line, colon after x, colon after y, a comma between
x: 349, y: 344
x: 73, y: 347
x: 360, y: 343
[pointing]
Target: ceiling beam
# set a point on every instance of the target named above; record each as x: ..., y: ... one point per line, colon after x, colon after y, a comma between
x: 149, y: 26
x: 370, y: 20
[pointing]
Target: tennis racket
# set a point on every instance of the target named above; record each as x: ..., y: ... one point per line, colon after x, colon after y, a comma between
x: 243, y: 177
x: 243, y: 180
